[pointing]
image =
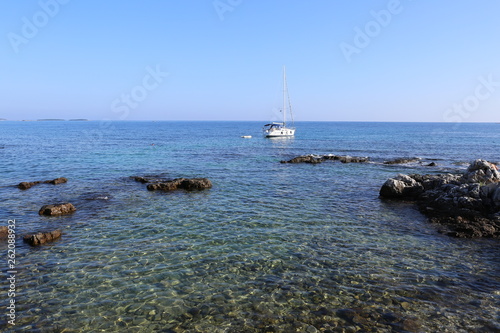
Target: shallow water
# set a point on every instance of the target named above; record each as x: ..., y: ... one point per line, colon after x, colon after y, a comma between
x: 271, y: 247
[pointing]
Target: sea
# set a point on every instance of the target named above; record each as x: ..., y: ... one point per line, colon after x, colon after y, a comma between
x: 271, y: 247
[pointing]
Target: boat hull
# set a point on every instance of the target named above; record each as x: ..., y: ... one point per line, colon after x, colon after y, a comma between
x: 282, y: 132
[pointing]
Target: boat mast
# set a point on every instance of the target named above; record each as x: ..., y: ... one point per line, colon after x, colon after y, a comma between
x: 284, y: 96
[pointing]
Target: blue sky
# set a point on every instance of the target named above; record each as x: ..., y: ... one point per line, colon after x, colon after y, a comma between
x: 222, y: 60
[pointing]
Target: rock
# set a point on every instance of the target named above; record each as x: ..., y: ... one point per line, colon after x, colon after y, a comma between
x: 140, y: 179
x: 42, y: 237
x: 27, y: 185
x: 318, y: 159
x: 347, y: 314
x: 410, y: 325
x: 495, y: 195
x: 57, y: 181
x: 466, y: 205
x: 57, y: 209
x: 322, y: 312
x: 405, y: 305
x: 189, y: 184
x: 390, y: 317
x: 481, y: 171
x: 403, y: 160
x: 467, y: 227
x: 351, y: 159
x: 4, y: 232
x: 195, y: 184
x: 304, y: 159
x: 431, y: 164
x: 402, y: 186
x: 167, y: 186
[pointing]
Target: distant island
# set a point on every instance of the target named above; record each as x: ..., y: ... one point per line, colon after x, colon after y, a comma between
x: 48, y: 119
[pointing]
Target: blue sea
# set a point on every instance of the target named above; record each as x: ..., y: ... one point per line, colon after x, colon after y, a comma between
x: 270, y: 247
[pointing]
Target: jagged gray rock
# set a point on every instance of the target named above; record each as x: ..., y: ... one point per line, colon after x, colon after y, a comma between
x: 467, y: 204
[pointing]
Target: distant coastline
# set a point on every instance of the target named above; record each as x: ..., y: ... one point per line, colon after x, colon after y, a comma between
x: 49, y: 119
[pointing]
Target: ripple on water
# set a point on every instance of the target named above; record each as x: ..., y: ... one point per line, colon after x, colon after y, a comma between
x: 270, y: 247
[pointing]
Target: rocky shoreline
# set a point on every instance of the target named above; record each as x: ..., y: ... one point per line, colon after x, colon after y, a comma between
x: 463, y: 205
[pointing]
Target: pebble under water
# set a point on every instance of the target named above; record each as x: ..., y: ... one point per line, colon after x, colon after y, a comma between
x: 270, y: 247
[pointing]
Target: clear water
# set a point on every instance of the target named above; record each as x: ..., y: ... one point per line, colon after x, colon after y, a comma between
x: 271, y: 247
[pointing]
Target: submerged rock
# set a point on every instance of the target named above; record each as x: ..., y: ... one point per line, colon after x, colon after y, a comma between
x: 141, y: 179
x: 57, y: 209
x: 189, y: 184
x: 27, y: 185
x: 57, y: 181
x: 467, y: 205
x: 42, y: 237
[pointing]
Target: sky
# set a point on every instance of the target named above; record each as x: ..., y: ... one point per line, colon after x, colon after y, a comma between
x: 391, y: 60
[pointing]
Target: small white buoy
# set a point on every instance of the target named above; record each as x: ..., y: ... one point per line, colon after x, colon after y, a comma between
x: 246, y: 136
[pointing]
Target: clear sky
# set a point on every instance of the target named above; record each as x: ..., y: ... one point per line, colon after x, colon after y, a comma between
x: 407, y: 60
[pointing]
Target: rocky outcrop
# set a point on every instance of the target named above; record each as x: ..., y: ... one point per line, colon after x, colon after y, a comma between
x: 189, y: 184
x: 481, y: 171
x: 304, y: 159
x: 27, y: 185
x: 402, y: 186
x: 57, y: 209
x: 403, y: 160
x: 42, y: 237
x: 466, y: 205
x: 315, y: 159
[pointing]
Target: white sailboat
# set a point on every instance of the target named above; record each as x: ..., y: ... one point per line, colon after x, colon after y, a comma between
x: 280, y: 129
